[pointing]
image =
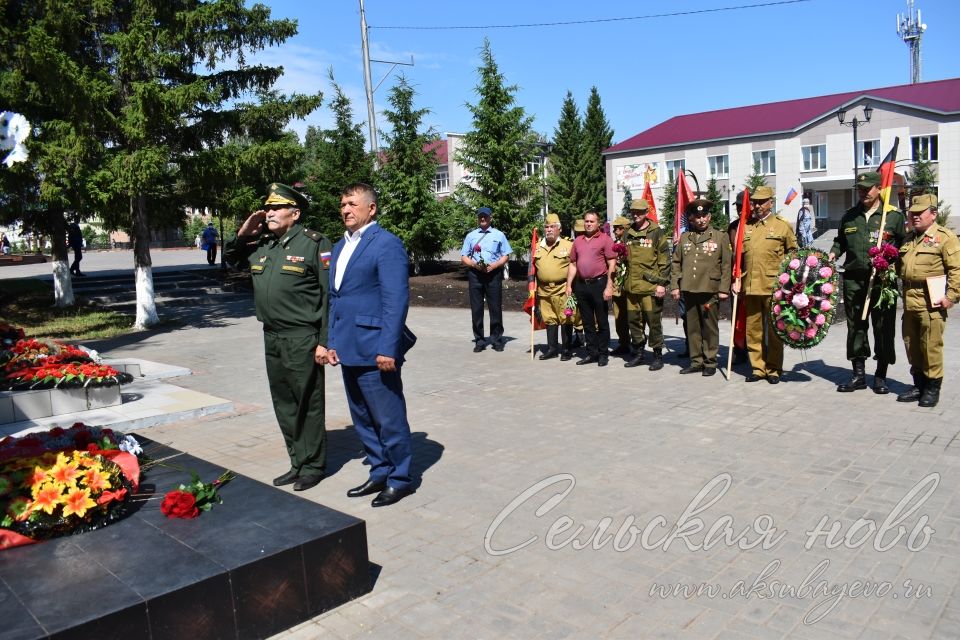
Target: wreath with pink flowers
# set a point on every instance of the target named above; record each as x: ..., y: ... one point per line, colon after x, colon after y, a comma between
x: 805, y: 299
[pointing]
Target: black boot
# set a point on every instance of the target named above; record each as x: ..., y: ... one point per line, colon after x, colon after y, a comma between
x: 913, y: 393
x: 637, y: 358
x: 552, y: 347
x: 880, y: 379
x: 566, y: 337
x: 657, y: 363
x: 931, y: 393
x: 858, y: 381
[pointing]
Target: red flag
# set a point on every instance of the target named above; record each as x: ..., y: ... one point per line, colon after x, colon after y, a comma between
x: 887, y: 171
x: 651, y: 207
x: 529, y: 306
x: 741, y: 226
x: 684, y: 197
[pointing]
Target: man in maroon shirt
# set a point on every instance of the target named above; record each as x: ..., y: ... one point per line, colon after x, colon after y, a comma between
x: 590, y: 278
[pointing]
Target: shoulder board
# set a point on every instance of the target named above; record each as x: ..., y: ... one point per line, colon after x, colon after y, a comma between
x: 316, y: 236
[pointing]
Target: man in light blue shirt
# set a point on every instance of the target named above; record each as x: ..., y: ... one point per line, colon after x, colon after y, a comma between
x: 485, y: 252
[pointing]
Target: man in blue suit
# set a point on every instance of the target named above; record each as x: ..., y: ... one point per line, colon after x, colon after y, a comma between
x: 369, y: 297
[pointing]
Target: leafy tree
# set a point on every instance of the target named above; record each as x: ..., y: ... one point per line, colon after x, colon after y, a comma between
x: 566, y: 193
x: 495, y: 154
x: 719, y: 218
x: 597, y: 136
x: 333, y: 159
x: 408, y: 205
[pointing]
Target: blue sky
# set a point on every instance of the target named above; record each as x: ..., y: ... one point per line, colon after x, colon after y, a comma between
x: 646, y: 70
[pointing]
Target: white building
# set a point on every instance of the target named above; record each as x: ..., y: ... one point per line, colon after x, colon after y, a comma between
x: 800, y: 144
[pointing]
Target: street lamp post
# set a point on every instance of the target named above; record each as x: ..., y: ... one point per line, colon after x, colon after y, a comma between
x: 546, y: 148
x: 855, y: 123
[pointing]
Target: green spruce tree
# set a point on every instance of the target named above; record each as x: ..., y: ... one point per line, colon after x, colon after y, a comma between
x: 495, y: 154
x: 668, y: 204
x: 597, y: 136
x: 627, y: 201
x: 755, y: 179
x: 719, y: 218
x: 566, y: 194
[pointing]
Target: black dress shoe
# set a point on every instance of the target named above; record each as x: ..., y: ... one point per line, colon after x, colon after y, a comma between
x: 636, y: 361
x: 368, y: 487
x: 478, y: 347
x: 588, y: 360
x: 390, y: 496
x: 773, y: 379
x: 708, y: 372
x: 549, y: 354
x: 288, y: 478
x: 754, y: 378
x: 602, y: 361
x: 566, y: 355
x: 691, y: 369
x: 308, y: 481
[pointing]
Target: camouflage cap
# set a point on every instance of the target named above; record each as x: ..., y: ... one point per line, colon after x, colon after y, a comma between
x: 924, y: 202
x: 868, y: 179
x: 278, y: 193
x: 639, y: 205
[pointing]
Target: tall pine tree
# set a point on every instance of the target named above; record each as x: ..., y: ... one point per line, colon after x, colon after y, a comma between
x: 597, y: 136
x: 566, y: 192
x: 408, y: 205
x: 668, y: 205
x: 719, y: 218
x: 495, y: 154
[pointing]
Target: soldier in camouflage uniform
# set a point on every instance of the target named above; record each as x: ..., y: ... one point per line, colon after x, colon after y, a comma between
x: 289, y: 266
x: 929, y: 251
x: 621, y: 320
x: 648, y: 274
x: 701, y: 272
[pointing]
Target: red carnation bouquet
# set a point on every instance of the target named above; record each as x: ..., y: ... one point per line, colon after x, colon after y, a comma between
x: 188, y: 500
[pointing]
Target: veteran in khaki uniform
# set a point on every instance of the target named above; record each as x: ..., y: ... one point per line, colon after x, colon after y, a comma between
x: 289, y: 266
x: 766, y: 240
x: 930, y: 250
x: 552, y: 259
x: 648, y: 275
x: 621, y: 321
x: 701, y: 274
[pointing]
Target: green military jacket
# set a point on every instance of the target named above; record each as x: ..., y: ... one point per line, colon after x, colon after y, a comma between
x: 933, y: 253
x: 765, y: 243
x: 856, y: 234
x: 701, y: 262
x: 290, y: 280
x: 648, y: 260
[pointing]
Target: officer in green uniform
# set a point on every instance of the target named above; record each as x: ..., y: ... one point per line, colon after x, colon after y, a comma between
x: 289, y: 266
x: 858, y: 231
x: 766, y: 239
x: 648, y: 274
x: 621, y: 321
x: 552, y: 259
x: 701, y: 272
x: 929, y: 251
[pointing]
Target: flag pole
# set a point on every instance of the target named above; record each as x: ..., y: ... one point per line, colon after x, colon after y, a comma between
x: 533, y: 321
x: 887, y: 169
x: 737, y: 274
x: 733, y: 329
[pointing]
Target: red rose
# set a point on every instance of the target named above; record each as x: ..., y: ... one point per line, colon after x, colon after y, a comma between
x: 179, y: 504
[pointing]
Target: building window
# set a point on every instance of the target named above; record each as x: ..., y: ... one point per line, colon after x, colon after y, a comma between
x: 767, y: 161
x: 441, y: 181
x: 533, y: 168
x: 924, y: 148
x: 719, y: 166
x: 869, y: 153
x: 674, y: 168
x: 814, y: 157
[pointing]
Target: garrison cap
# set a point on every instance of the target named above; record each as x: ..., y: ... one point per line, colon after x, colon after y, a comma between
x: 763, y: 192
x: 485, y: 212
x: 620, y: 221
x: 699, y: 205
x: 278, y: 193
x: 639, y: 205
x: 868, y: 179
x: 924, y: 202
x: 578, y: 226
x: 552, y: 218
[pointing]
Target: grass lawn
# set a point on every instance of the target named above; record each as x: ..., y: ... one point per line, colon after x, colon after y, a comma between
x: 28, y: 303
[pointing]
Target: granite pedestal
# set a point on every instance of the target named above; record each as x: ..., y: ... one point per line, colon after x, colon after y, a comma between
x: 261, y: 562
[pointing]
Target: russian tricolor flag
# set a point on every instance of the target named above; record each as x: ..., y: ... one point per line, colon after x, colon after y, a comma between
x: 790, y: 196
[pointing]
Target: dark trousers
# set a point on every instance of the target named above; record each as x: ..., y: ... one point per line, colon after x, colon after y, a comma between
x: 489, y: 287
x: 884, y: 323
x: 296, y: 386
x: 594, y: 313
x: 379, y: 414
x: 702, y: 322
x: 212, y: 253
x: 77, y: 257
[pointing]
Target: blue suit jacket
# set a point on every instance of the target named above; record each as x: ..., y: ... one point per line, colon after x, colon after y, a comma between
x: 368, y: 311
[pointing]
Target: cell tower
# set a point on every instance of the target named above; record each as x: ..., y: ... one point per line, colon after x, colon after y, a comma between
x: 910, y: 29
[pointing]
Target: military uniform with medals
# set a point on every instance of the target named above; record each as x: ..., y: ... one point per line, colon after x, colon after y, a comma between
x: 648, y: 267
x: 551, y: 263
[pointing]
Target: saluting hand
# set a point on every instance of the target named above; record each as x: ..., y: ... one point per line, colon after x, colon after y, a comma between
x: 251, y: 226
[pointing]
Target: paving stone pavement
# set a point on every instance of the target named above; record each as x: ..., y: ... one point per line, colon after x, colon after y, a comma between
x: 557, y: 461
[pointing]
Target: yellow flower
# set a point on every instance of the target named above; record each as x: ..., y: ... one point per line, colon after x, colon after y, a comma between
x: 77, y: 502
x: 47, y: 499
x: 65, y: 471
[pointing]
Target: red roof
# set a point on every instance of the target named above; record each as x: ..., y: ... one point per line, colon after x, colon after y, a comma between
x: 439, y: 149
x: 941, y: 96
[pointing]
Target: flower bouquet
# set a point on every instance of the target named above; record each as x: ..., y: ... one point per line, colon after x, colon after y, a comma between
x: 884, y: 261
x: 477, y: 256
x: 47, y: 364
x: 805, y: 300
x: 64, y: 481
x: 188, y: 500
x: 570, y: 306
x: 620, y: 275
